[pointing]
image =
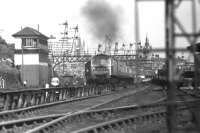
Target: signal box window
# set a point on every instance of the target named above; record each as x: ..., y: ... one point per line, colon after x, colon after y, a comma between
x: 29, y: 42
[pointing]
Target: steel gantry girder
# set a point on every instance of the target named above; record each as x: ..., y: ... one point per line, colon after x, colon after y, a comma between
x: 57, y: 59
x: 172, y: 22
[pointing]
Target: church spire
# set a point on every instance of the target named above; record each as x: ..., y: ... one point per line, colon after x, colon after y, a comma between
x: 147, y: 42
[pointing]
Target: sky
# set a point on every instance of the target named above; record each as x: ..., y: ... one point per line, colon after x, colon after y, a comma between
x: 50, y: 14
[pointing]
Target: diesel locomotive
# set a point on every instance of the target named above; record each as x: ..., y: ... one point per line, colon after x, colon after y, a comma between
x: 104, y: 69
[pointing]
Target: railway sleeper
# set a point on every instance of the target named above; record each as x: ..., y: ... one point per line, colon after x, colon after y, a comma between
x: 138, y: 121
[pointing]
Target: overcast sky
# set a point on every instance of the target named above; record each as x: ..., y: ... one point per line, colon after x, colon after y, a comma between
x: 49, y: 14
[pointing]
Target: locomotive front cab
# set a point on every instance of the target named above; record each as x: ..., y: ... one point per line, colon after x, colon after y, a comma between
x: 101, y: 67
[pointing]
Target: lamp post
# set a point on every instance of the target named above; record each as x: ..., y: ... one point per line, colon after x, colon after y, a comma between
x: 51, y: 48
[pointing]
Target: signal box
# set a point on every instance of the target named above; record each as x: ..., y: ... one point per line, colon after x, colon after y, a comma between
x: 31, y: 55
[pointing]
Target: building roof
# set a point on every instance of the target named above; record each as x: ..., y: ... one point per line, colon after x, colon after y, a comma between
x: 29, y: 32
x: 196, y: 47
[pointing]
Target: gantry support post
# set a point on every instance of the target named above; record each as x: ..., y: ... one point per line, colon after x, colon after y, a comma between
x: 137, y: 34
x: 170, y: 53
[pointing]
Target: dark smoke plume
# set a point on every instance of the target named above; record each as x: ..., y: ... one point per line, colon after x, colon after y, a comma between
x: 103, y: 20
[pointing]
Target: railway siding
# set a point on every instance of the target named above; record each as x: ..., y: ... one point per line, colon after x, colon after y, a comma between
x: 80, y: 119
x: 77, y: 120
x: 80, y: 105
x: 28, y: 122
x: 87, y: 118
x: 128, y: 124
x: 147, y: 95
x: 66, y: 105
x: 33, y: 110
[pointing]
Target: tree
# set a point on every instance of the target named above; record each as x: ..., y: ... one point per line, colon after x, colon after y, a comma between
x: 6, y: 50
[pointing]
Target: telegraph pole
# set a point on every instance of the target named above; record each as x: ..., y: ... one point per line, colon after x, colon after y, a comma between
x: 22, y: 67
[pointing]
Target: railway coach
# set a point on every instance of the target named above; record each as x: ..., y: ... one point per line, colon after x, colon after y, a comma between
x: 104, y: 69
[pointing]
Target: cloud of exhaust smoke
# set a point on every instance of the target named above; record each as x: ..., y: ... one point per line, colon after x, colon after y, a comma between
x: 103, y: 19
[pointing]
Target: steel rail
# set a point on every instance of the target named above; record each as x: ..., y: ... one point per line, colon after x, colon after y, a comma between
x: 73, y: 117
x: 15, y: 124
x: 102, y: 112
x: 192, y: 93
x: 131, y: 120
x: 18, y: 112
x: 22, y: 111
x: 28, y: 121
x: 35, y: 120
x: 122, y: 122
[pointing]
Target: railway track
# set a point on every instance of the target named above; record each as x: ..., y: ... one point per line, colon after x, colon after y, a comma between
x: 38, y: 109
x: 191, y: 114
x: 140, y: 123
x: 22, y: 124
x: 103, y: 119
x: 150, y: 116
x: 82, y: 119
x: 18, y: 124
x: 142, y: 97
x: 144, y: 118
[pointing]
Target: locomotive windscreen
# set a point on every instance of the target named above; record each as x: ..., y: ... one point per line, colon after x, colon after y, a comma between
x: 100, y: 60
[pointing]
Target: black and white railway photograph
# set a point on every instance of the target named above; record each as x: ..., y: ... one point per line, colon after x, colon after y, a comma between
x: 100, y: 66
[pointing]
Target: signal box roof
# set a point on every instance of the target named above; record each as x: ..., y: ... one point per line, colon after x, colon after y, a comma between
x: 29, y: 32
